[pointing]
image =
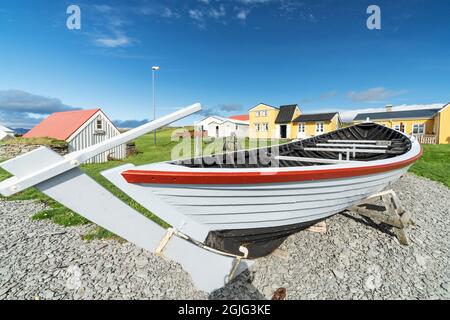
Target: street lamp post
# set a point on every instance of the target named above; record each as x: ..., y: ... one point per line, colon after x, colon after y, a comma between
x: 154, y: 68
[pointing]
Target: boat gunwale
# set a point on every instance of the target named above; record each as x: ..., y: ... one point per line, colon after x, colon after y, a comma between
x: 205, y: 176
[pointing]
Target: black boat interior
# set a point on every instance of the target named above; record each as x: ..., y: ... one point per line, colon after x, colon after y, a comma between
x: 361, y: 142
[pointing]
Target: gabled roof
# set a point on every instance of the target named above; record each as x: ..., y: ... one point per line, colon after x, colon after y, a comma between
x: 422, y: 113
x: 265, y: 104
x: 220, y: 120
x: 61, y: 125
x: 316, y: 117
x: 444, y: 107
x: 243, y: 117
x: 286, y: 113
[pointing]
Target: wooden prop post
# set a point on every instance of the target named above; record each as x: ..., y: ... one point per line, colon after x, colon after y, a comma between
x: 394, y: 215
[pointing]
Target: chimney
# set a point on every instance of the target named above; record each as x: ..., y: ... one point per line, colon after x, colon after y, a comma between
x: 389, y: 108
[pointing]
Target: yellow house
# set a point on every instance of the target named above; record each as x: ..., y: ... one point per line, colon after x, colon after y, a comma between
x: 430, y: 125
x: 288, y: 122
x: 311, y: 125
x: 284, y: 125
x: 262, y: 121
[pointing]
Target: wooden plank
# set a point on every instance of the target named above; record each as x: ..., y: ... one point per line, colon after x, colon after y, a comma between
x: 393, y: 215
x: 320, y: 227
x: 282, y: 254
x: 346, y: 150
x: 349, y: 145
x: 314, y: 160
x: 381, y: 142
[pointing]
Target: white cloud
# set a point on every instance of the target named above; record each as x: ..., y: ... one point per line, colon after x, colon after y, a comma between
x: 21, y: 109
x: 119, y: 40
x: 196, y: 14
x: 103, y: 8
x: 201, y: 15
x: 108, y: 27
x: 243, y: 14
x: 217, y: 13
x: 167, y: 13
x: 22, y: 101
x: 374, y: 95
x: 254, y: 1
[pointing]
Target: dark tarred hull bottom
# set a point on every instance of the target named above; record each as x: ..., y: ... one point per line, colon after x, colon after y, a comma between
x: 259, y: 242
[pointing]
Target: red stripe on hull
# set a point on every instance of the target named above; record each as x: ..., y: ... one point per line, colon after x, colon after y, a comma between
x: 214, y: 178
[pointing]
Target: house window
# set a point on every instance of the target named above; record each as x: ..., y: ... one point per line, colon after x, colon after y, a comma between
x: 237, y: 128
x: 301, y: 127
x: 319, y: 127
x: 263, y: 113
x: 419, y: 128
x: 257, y: 127
x: 400, y: 127
x: 99, y: 124
x: 265, y: 127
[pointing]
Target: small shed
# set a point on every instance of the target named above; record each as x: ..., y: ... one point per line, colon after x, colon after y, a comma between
x: 6, y: 133
x: 219, y: 127
x: 80, y: 129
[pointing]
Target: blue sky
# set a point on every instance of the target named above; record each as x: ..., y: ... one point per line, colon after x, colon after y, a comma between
x: 228, y: 55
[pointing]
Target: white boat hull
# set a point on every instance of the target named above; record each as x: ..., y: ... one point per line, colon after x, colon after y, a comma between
x: 191, y: 208
x: 223, y: 205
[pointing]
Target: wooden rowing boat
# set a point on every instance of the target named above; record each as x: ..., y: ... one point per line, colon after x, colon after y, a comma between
x: 257, y: 198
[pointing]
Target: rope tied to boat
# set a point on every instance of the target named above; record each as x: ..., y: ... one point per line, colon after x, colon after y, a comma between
x: 174, y: 232
x: 237, y: 262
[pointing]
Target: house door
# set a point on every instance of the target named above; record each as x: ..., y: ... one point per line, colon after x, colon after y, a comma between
x: 217, y: 131
x: 301, y: 131
x: 283, y: 131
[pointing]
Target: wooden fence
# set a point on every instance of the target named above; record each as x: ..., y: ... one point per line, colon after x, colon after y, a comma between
x: 426, y: 138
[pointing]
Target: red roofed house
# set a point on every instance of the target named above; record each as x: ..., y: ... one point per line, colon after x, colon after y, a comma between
x: 80, y: 129
x: 243, y: 117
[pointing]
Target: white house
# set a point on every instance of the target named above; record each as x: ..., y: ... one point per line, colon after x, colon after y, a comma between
x: 5, y: 133
x: 80, y: 129
x: 219, y: 127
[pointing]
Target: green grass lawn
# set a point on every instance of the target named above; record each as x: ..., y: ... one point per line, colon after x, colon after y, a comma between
x: 434, y: 165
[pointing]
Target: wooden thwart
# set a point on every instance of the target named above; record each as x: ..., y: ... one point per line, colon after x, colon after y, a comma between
x: 394, y: 215
x: 377, y: 142
x: 315, y: 160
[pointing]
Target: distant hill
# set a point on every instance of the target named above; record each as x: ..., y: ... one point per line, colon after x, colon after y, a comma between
x: 20, y: 131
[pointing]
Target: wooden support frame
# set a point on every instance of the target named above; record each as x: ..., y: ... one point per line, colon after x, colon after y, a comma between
x: 394, y: 215
x: 320, y: 227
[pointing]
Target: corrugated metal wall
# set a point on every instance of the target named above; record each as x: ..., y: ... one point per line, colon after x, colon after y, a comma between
x: 89, y: 136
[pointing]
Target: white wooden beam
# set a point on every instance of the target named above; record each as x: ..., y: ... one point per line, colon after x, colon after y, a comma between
x: 52, y: 169
x: 379, y: 142
x: 315, y: 160
x: 351, y: 145
x: 346, y: 150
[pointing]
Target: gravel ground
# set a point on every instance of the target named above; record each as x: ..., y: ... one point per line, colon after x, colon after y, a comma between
x: 355, y: 259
